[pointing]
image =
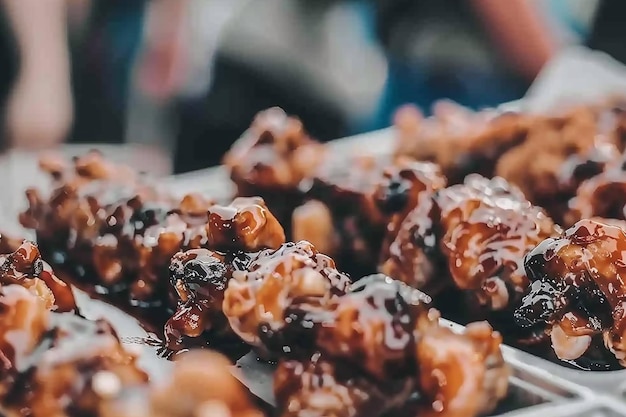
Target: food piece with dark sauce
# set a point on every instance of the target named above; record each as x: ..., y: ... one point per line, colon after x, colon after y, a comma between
x: 487, y: 228
x: 577, y: 293
x: 410, y: 251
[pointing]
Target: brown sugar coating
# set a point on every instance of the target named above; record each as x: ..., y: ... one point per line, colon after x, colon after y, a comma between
x: 25, y: 267
x: 57, y: 364
x: 376, y: 345
x: 258, y: 296
x: 488, y: 226
x: 577, y: 292
x: 461, y: 141
x: 410, y: 250
x: 201, y: 385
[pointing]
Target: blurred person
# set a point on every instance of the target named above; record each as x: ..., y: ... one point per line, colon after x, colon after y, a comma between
x: 39, y: 109
x: 75, y: 60
x: 476, y: 52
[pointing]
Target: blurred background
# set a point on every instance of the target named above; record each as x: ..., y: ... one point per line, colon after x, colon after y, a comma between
x: 184, y: 78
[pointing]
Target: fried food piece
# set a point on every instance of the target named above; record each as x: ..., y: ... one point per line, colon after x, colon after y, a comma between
x: 461, y: 374
x: 271, y: 159
x: 369, y: 327
x: 200, y: 277
x: 345, y: 191
x: 201, y: 385
x: 577, y: 292
x: 375, y: 346
x: 601, y: 195
x: 256, y: 297
x: 24, y: 320
x: 562, y: 151
x: 459, y: 140
x: 410, y: 250
x: 117, y: 234
x: 487, y: 228
x: 25, y: 267
x: 57, y: 364
x: 318, y: 387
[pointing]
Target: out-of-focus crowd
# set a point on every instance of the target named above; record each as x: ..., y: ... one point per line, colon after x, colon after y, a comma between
x: 188, y: 75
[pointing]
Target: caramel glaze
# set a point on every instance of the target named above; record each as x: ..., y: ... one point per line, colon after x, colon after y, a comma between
x: 25, y: 267
x: 271, y: 158
x: 52, y: 361
x: 346, y: 189
x: 410, y: 250
x: 256, y: 298
x: 238, y: 293
x: 379, y: 347
x: 577, y: 294
x: 488, y: 226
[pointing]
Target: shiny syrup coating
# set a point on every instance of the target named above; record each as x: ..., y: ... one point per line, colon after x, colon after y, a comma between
x: 369, y: 327
x: 274, y: 153
x: 271, y: 159
x: 117, y: 233
x: 562, y: 150
x: 51, y: 362
x: 460, y: 374
x: 318, y: 387
x: 200, y: 277
x: 258, y: 296
x: 410, y: 250
x: 347, y: 189
x: 577, y: 291
x: 488, y: 227
x: 353, y: 373
x: 25, y: 267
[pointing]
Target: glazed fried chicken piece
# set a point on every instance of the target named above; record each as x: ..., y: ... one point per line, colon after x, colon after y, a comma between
x: 317, y: 387
x: 460, y: 374
x: 271, y: 159
x: 487, y: 228
x: 461, y: 141
x: 601, y: 195
x: 244, y: 292
x: 410, y: 251
x: 342, y: 212
x: 25, y: 267
x: 200, y: 277
x: 117, y: 234
x: 380, y: 347
x: 577, y: 294
x: 562, y: 151
x: 57, y: 364
x: 201, y: 385
x: 256, y: 298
